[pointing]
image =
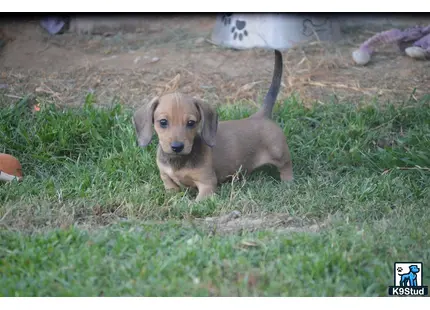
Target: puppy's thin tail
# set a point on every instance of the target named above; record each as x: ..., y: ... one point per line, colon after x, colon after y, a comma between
x: 272, y: 94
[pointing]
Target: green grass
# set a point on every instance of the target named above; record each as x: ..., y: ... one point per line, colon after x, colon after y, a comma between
x: 91, y: 217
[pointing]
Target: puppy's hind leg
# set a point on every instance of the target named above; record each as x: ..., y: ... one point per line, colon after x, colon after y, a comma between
x: 286, y: 171
x: 281, y: 158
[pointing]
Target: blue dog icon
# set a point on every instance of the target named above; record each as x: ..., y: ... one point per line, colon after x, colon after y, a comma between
x: 410, y: 277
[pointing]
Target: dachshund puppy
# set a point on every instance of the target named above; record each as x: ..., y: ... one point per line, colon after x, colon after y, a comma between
x: 195, y: 150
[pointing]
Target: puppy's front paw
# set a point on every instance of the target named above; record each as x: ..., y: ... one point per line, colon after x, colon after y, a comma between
x: 201, y: 197
x: 170, y: 186
x: 205, y: 193
x: 206, y: 189
x: 172, y: 189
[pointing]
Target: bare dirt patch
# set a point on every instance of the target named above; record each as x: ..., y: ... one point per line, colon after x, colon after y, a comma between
x: 172, y: 52
x: 42, y: 216
x: 234, y: 222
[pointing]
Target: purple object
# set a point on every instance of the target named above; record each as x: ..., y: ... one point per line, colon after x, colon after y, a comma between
x: 413, y: 41
x: 395, y: 36
x: 53, y: 24
x: 424, y: 42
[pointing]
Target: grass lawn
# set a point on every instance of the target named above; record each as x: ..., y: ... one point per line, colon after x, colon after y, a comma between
x: 91, y: 217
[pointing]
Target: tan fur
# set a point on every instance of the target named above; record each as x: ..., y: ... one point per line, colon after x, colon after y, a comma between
x: 212, y: 151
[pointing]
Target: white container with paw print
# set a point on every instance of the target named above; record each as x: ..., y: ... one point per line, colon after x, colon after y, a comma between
x: 279, y: 31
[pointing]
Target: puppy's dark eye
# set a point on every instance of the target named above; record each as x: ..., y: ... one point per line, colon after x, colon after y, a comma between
x: 191, y: 123
x: 163, y: 123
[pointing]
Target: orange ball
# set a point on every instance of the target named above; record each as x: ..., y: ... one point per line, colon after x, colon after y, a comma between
x: 10, y: 165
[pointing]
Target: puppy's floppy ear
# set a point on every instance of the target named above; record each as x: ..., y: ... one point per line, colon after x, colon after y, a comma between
x: 143, y: 119
x: 209, y: 122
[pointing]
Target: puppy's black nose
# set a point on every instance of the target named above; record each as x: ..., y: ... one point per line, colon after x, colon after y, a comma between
x: 177, y: 147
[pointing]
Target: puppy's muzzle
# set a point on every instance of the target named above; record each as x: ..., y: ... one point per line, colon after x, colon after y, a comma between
x: 177, y: 147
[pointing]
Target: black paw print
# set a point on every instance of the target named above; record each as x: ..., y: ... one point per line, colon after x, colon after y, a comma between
x: 399, y: 269
x: 309, y: 27
x: 226, y: 18
x: 239, y: 30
